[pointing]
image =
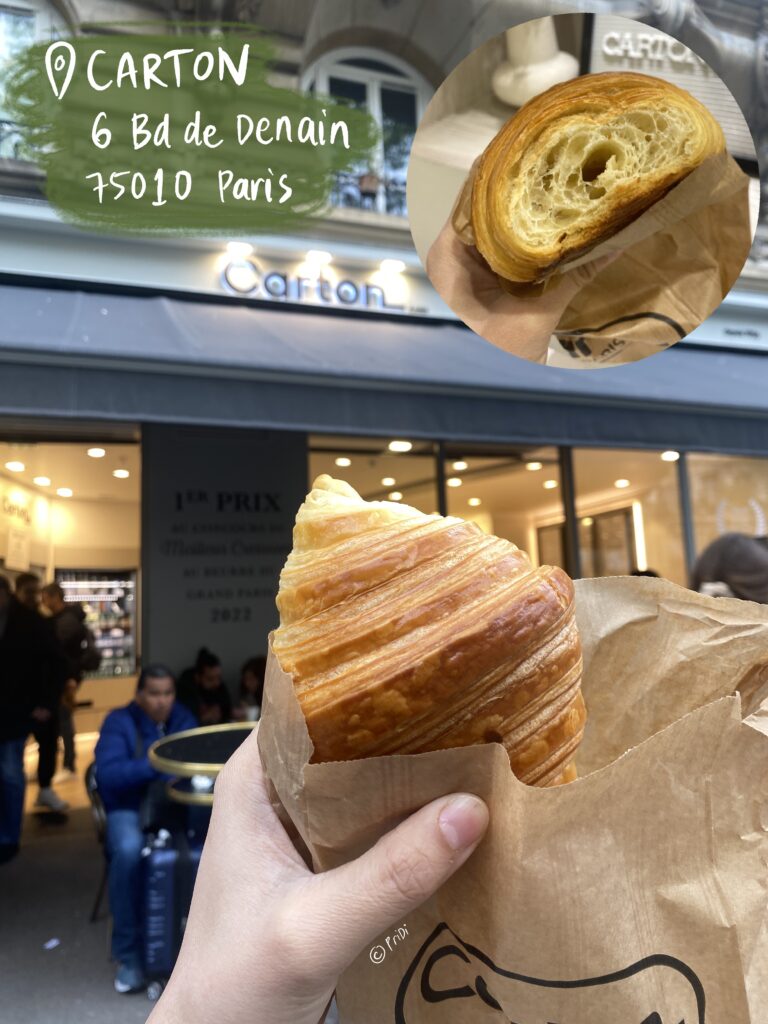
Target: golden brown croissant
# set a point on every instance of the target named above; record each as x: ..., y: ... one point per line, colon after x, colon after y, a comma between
x: 578, y: 163
x: 406, y: 632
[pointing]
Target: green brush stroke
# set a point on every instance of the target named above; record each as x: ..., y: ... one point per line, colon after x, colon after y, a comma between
x: 56, y: 135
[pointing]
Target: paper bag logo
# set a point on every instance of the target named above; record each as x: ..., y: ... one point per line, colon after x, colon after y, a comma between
x: 464, y: 985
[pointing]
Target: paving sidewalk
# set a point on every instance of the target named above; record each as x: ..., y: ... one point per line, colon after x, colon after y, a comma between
x: 46, y: 893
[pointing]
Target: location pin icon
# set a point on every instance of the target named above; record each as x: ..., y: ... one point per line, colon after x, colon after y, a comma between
x: 60, y: 66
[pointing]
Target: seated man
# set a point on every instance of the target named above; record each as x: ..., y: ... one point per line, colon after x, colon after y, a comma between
x: 124, y: 775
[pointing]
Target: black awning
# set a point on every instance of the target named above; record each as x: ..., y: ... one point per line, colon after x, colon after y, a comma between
x: 73, y: 353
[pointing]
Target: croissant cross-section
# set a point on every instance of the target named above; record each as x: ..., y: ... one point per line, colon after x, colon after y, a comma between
x: 405, y: 632
x: 581, y: 161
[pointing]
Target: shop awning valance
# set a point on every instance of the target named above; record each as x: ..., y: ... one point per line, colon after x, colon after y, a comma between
x: 87, y: 354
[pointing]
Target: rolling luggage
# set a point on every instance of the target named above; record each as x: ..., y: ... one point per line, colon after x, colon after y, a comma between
x: 168, y: 870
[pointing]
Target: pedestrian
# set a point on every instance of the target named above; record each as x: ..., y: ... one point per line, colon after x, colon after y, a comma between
x: 248, y: 707
x: 32, y: 675
x: 733, y: 565
x: 77, y: 642
x: 124, y: 778
x: 45, y: 730
x: 203, y: 690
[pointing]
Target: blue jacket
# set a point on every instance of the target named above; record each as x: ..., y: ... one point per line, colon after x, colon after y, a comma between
x: 121, y: 776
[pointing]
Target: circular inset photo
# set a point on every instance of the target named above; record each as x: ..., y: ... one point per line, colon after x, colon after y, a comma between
x: 582, y: 219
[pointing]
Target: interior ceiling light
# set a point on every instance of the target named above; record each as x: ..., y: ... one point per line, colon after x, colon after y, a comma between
x: 42, y: 481
x: 460, y: 466
x: 388, y: 481
x: 621, y: 484
x: 474, y: 502
x: 15, y: 466
x: 400, y: 446
x: 343, y: 461
x: 97, y: 453
x: 392, y: 266
x: 239, y: 250
x: 670, y: 456
x: 121, y: 474
x: 550, y: 485
x: 534, y: 466
x: 395, y: 496
x: 64, y: 492
x: 587, y: 521
x: 453, y: 481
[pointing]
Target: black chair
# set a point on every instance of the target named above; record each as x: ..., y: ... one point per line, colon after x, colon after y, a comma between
x: 99, y: 815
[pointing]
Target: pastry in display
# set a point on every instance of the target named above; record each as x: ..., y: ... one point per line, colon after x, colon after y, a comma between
x: 578, y: 163
x: 405, y: 632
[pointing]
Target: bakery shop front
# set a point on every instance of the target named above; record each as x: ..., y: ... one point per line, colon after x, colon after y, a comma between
x: 234, y: 404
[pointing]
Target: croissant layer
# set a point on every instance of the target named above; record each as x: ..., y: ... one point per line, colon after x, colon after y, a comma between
x: 405, y: 633
x: 578, y: 163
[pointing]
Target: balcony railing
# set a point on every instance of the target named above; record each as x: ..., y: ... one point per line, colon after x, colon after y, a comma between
x: 10, y: 140
x: 366, y: 191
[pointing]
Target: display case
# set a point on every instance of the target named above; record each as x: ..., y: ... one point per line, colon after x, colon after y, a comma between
x: 108, y: 597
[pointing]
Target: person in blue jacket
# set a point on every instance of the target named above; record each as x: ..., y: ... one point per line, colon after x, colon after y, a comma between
x: 123, y: 777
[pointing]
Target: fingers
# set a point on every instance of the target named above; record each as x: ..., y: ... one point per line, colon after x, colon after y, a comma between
x: 242, y: 808
x: 357, y: 902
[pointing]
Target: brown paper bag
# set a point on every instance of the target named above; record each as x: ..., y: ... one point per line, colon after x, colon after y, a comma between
x: 679, y: 260
x: 636, y: 895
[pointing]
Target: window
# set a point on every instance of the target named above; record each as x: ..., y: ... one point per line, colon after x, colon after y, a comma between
x: 17, y: 31
x: 396, y: 97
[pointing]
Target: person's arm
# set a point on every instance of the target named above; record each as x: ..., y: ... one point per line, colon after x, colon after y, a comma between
x: 116, y: 765
x: 257, y: 903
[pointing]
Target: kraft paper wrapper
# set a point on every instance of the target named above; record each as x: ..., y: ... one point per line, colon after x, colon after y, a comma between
x: 640, y: 889
x: 679, y: 260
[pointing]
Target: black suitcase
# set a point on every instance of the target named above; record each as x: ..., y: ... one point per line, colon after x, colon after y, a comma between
x: 169, y: 863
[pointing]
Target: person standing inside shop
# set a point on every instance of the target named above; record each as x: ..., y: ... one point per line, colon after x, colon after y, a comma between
x: 77, y: 643
x: 32, y: 674
x: 46, y: 722
x: 124, y: 777
x: 203, y: 690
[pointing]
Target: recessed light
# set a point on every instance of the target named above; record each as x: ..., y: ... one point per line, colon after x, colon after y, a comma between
x: 15, y: 466
x: 320, y: 257
x: 392, y: 266
x: 388, y: 481
x: 670, y: 456
x: 239, y: 250
x: 474, y: 502
x: 400, y: 446
x: 621, y: 483
x: 395, y: 496
x: 121, y: 474
x: 97, y: 453
x: 533, y: 466
x: 343, y: 461
x: 64, y: 492
x: 550, y: 485
x: 587, y: 521
x: 42, y: 481
x: 454, y: 481
x: 460, y: 466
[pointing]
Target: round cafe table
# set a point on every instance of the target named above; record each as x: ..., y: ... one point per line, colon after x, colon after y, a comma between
x: 197, y: 755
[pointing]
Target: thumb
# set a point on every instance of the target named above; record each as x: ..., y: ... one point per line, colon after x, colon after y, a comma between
x: 379, y: 889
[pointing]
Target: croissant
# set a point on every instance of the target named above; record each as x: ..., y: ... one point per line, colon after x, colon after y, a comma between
x: 406, y: 632
x: 578, y: 163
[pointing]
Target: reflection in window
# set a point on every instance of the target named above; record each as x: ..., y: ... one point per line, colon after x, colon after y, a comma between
x: 728, y: 495
x: 377, y: 473
x: 511, y: 492
x: 629, y: 513
x: 396, y: 98
x: 17, y: 31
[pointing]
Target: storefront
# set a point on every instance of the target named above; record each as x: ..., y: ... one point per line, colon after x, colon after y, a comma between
x: 226, y: 410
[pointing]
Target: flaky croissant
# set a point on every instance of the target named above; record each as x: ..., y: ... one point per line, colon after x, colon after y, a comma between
x: 406, y: 632
x: 578, y: 163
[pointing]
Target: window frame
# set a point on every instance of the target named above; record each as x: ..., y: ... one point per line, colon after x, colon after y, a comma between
x: 317, y: 76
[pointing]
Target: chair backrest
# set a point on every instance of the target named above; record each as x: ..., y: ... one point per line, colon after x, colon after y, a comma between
x: 98, y: 812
